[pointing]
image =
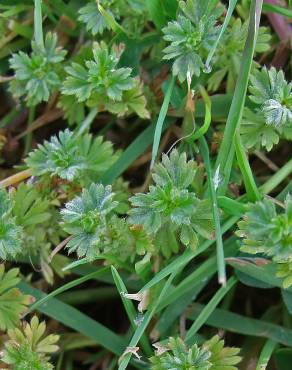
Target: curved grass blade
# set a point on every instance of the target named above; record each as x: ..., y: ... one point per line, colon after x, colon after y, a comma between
x: 66, y: 287
x: 209, y: 308
x: 251, y: 188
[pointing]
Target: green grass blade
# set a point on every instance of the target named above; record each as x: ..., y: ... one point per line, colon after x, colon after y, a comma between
x: 226, y: 151
x: 251, y: 188
x: 266, y: 354
x: 129, y: 308
x: 209, y: 308
x: 77, y: 321
x: 231, y: 7
x: 216, y: 216
x: 160, y: 121
x: 181, y: 261
x: 275, y: 180
x: 66, y: 287
x: 270, y: 8
x: 147, y: 318
x: 235, y: 323
x: 38, y: 24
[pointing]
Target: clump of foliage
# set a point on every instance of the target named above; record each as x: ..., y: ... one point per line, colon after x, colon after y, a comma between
x: 211, y: 355
x: 190, y: 36
x: 171, y: 211
x: 72, y: 157
x: 27, y: 347
x: 86, y: 193
x: 37, y: 74
x: 100, y: 82
x: 272, y: 117
x: 266, y: 231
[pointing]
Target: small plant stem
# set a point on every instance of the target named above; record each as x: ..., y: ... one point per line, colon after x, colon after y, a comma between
x: 160, y: 121
x: 58, y: 248
x: 266, y: 160
x: 252, y: 191
x: 28, y: 139
x: 266, y: 354
x: 14, y: 179
x: 85, y: 125
x: 208, y: 309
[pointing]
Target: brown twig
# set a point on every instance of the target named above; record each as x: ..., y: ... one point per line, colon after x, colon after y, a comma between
x: 58, y: 248
x: 14, y: 179
x: 47, y: 117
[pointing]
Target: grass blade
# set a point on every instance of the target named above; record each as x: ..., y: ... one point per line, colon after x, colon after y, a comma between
x: 129, y: 308
x: 38, y: 24
x: 66, y: 287
x: 226, y: 151
x: 231, y: 7
x: 266, y: 354
x: 76, y: 320
x: 141, y: 328
x: 209, y: 308
x: 244, y: 325
x: 251, y: 188
x: 216, y: 216
x: 160, y: 121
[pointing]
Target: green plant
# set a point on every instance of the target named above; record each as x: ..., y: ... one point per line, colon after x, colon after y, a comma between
x: 72, y: 157
x: 210, y: 356
x: 100, y: 82
x: 28, y: 348
x: 170, y: 211
x: 37, y: 74
x: 92, y: 213
x: 272, y: 117
x: 190, y: 36
x: 86, y: 217
x: 266, y: 231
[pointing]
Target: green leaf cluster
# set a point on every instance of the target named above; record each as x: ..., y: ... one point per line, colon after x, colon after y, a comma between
x: 272, y: 117
x: 12, y: 302
x: 171, y: 212
x: 267, y: 231
x: 71, y: 157
x: 100, y: 82
x: 212, y: 355
x: 11, y: 233
x: 28, y: 348
x: 191, y: 35
x: 37, y: 75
